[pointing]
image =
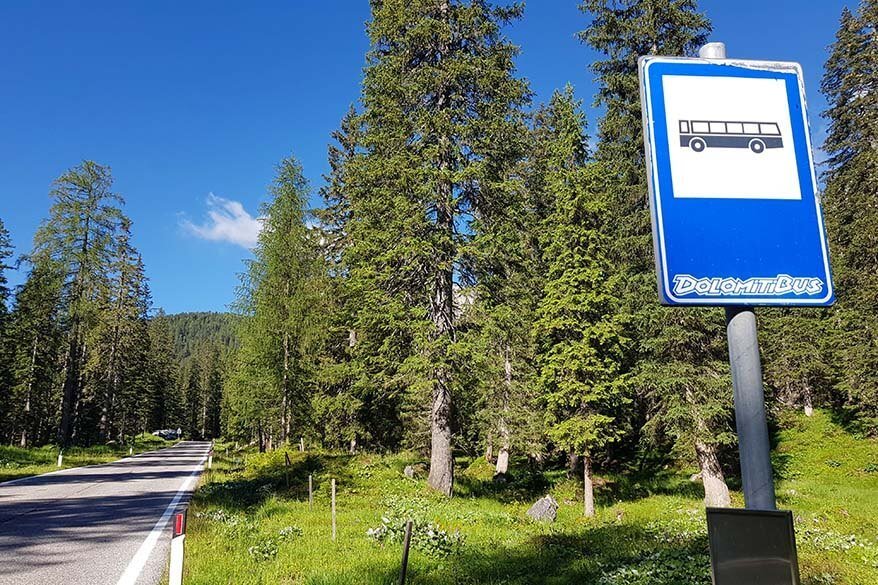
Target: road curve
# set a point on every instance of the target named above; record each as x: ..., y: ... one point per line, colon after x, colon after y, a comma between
x: 92, y: 525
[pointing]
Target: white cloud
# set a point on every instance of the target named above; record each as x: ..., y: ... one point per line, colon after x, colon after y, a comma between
x: 227, y: 221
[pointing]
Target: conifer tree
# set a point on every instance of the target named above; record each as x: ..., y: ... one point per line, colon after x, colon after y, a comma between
x: 35, y: 336
x: 441, y: 129
x: 850, y: 84
x: 6, y: 378
x: 579, y: 331
x: 165, y: 404
x: 278, y: 298
x: 678, y: 361
x: 79, y: 235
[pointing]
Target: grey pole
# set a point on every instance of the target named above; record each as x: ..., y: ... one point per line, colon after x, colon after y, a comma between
x: 753, y: 446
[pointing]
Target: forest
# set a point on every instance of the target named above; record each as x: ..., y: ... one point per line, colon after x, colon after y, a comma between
x: 479, y: 278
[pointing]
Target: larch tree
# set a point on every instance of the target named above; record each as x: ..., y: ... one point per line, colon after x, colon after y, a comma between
x: 278, y: 298
x: 441, y: 112
x: 79, y: 236
x: 850, y: 84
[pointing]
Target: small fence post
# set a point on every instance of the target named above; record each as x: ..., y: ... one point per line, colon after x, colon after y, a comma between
x: 176, y: 569
x: 310, y: 491
x: 60, y: 456
x: 302, y: 444
x: 405, y: 552
x: 333, y: 509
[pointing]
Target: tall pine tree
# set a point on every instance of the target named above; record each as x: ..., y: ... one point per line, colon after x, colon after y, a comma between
x: 678, y: 362
x: 441, y: 129
x: 850, y: 84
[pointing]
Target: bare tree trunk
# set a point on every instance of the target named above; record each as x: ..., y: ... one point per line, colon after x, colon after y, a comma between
x: 260, y: 436
x: 503, y: 455
x: 587, y: 487
x: 716, y: 492
x: 489, y: 449
x: 25, y: 424
x: 808, y: 404
x: 285, y: 391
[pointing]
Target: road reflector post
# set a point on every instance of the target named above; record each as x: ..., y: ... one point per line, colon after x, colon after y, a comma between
x: 60, y: 457
x: 333, y: 510
x: 310, y: 491
x: 176, y: 569
x: 210, y: 460
x: 302, y: 444
x: 405, y: 552
x: 130, y: 451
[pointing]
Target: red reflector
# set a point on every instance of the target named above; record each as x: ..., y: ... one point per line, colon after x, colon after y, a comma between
x: 180, y: 524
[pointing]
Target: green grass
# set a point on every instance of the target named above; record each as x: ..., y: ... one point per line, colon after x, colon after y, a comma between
x: 16, y: 462
x: 246, y: 526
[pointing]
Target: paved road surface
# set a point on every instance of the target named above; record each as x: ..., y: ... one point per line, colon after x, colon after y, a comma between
x: 92, y: 525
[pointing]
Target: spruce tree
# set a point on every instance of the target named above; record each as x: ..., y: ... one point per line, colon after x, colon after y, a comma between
x: 35, y: 336
x: 6, y: 378
x: 850, y: 84
x: 441, y: 129
x: 678, y: 359
x: 579, y: 331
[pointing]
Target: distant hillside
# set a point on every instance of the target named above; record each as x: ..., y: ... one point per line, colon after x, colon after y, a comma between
x: 190, y: 330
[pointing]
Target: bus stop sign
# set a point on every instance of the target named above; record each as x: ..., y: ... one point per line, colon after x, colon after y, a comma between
x: 736, y: 218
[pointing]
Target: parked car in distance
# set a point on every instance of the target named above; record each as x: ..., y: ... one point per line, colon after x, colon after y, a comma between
x: 167, y: 434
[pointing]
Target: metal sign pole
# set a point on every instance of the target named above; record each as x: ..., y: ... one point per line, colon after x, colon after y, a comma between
x: 750, y: 421
x: 753, y: 446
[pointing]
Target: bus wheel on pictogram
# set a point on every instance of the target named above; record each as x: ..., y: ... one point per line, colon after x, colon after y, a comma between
x: 697, y: 144
x: 757, y: 145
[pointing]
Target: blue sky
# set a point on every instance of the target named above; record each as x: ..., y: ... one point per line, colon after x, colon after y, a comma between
x: 193, y: 103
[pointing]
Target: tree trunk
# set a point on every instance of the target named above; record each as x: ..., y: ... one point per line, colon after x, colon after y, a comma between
x: 489, y: 449
x: 25, y: 424
x: 587, y: 487
x: 806, y: 399
x: 503, y: 455
x: 572, y: 463
x: 70, y: 388
x: 353, y: 446
x: 285, y: 392
x: 716, y: 492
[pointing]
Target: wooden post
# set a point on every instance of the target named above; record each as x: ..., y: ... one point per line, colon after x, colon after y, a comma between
x: 333, y: 509
x: 302, y: 444
x: 287, y: 464
x: 310, y: 491
x: 405, y: 552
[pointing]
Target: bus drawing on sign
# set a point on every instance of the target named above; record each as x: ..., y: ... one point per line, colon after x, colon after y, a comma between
x: 757, y: 136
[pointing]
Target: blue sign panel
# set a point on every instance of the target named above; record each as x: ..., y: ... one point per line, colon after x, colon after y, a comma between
x: 735, y: 213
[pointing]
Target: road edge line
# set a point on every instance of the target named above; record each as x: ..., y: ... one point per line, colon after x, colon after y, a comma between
x: 138, y: 562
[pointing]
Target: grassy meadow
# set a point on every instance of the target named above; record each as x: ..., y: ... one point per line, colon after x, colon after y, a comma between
x: 250, y: 521
x: 16, y: 462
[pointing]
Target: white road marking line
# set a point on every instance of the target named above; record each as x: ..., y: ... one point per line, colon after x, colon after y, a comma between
x: 135, y: 567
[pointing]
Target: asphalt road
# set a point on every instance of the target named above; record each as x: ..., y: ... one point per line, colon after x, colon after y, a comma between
x: 96, y: 525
